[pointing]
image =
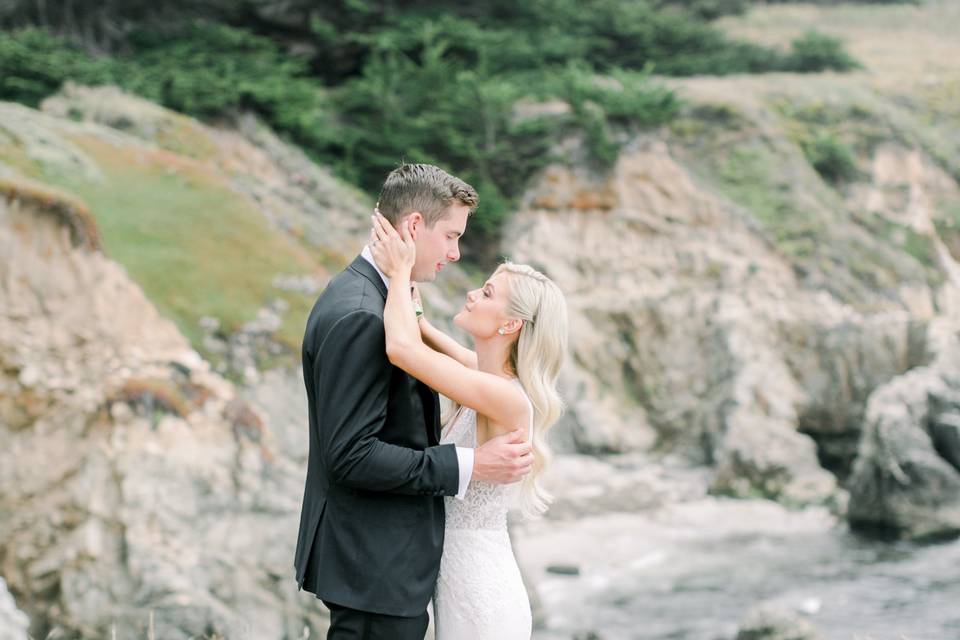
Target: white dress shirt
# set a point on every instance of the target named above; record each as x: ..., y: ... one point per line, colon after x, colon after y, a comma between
x: 464, y: 454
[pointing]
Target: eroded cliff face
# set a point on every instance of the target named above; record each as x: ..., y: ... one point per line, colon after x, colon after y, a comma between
x: 731, y: 304
x: 139, y: 489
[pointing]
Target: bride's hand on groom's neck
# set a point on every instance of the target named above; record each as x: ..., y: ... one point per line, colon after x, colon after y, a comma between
x: 395, y: 253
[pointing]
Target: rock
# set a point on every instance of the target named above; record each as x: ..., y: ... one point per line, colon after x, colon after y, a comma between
x: 767, y: 622
x: 111, y: 514
x: 13, y: 622
x: 903, y: 482
x: 308, y: 284
x: 764, y: 460
x: 719, y: 287
x: 584, y: 485
x: 658, y: 359
x: 728, y: 306
x: 945, y: 431
x: 209, y: 324
x: 30, y: 376
x: 279, y: 395
x: 564, y: 569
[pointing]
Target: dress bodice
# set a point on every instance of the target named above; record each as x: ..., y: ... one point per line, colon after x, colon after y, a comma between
x: 485, y: 504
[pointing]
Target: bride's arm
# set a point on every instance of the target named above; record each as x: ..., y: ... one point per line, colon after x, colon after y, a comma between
x: 488, y: 394
x: 491, y: 395
x: 439, y: 341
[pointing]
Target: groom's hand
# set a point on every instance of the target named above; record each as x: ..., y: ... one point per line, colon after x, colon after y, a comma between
x: 504, y: 459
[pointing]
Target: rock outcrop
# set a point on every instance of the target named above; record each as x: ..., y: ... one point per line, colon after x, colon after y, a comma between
x: 772, y: 623
x: 138, y: 488
x: 907, y: 477
x: 13, y: 622
x: 730, y: 304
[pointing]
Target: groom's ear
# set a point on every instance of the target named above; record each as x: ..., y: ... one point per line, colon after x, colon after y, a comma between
x: 415, y: 221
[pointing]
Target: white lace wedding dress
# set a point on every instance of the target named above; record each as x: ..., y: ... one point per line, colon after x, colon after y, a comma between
x: 480, y: 594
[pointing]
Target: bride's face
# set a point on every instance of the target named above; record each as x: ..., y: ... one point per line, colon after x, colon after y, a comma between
x: 485, y: 309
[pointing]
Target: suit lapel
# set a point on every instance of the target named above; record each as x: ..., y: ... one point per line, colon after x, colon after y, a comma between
x: 364, y: 268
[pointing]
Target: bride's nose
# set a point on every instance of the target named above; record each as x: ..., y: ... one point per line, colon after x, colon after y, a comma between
x: 472, y: 295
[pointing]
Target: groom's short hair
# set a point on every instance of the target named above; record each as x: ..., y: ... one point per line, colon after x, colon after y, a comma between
x: 424, y: 188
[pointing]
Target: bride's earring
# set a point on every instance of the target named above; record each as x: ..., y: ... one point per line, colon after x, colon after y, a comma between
x: 501, y: 331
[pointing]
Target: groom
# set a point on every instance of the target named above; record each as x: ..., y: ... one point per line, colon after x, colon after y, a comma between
x: 371, y: 526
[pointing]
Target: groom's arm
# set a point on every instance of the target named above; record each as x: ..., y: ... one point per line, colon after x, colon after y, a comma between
x: 352, y: 379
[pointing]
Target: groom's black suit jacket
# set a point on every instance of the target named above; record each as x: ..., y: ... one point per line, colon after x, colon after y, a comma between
x: 371, y: 527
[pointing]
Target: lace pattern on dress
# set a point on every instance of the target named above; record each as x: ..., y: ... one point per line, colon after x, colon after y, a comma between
x: 485, y: 504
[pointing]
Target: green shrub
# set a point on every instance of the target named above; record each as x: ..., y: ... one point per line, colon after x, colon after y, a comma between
x: 632, y: 35
x: 212, y: 70
x: 601, y: 105
x: 433, y: 110
x: 34, y: 64
x: 709, y: 9
x: 832, y: 159
x: 815, y: 51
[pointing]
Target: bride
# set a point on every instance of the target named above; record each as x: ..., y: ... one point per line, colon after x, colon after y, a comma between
x: 518, y: 323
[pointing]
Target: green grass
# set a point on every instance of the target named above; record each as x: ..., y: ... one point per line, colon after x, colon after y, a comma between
x: 832, y: 135
x: 948, y: 228
x: 748, y: 176
x: 195, y: 247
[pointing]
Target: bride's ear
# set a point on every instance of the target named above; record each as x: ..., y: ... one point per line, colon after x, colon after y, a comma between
x: 512, y: 326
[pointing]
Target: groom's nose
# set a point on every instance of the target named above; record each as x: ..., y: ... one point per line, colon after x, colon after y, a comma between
x: 454, y: 254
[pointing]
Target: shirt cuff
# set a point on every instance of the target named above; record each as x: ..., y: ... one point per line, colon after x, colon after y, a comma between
x: 465, y: 462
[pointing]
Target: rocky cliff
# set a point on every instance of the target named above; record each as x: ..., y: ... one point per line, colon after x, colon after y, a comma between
x: 141, y: 493
x: 744, y: 281
x: 138, y: 488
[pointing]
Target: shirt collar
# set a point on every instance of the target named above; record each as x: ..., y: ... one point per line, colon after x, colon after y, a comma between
x: 368, y: 256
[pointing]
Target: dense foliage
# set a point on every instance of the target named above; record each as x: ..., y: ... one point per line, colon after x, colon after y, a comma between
x: 365, y: 84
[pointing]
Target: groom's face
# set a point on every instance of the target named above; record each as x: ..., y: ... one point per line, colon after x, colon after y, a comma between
x: 440, y: 244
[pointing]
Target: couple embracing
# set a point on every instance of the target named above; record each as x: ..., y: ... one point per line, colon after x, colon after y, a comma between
x: 398, y: 510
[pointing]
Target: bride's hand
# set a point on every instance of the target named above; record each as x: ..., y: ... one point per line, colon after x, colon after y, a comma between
x: 394, y: 253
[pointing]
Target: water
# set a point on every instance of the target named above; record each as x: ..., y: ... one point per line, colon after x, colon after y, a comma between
x: 692, y: 572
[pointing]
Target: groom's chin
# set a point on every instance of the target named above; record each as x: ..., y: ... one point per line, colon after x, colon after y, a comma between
x: 425, y: 277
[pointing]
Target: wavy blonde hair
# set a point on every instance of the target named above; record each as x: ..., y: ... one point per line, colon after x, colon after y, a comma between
x: 536, y: 357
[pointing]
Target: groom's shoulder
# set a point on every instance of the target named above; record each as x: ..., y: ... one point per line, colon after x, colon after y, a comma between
x: 349, y: 297
x: 347, y: 293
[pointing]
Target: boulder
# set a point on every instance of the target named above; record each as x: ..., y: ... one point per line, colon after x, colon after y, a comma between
x: 906, y: 480
x: 767, y: 622
x: 13, y: 622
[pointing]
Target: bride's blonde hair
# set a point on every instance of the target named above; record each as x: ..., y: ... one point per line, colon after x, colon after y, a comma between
x: 536, y: 357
